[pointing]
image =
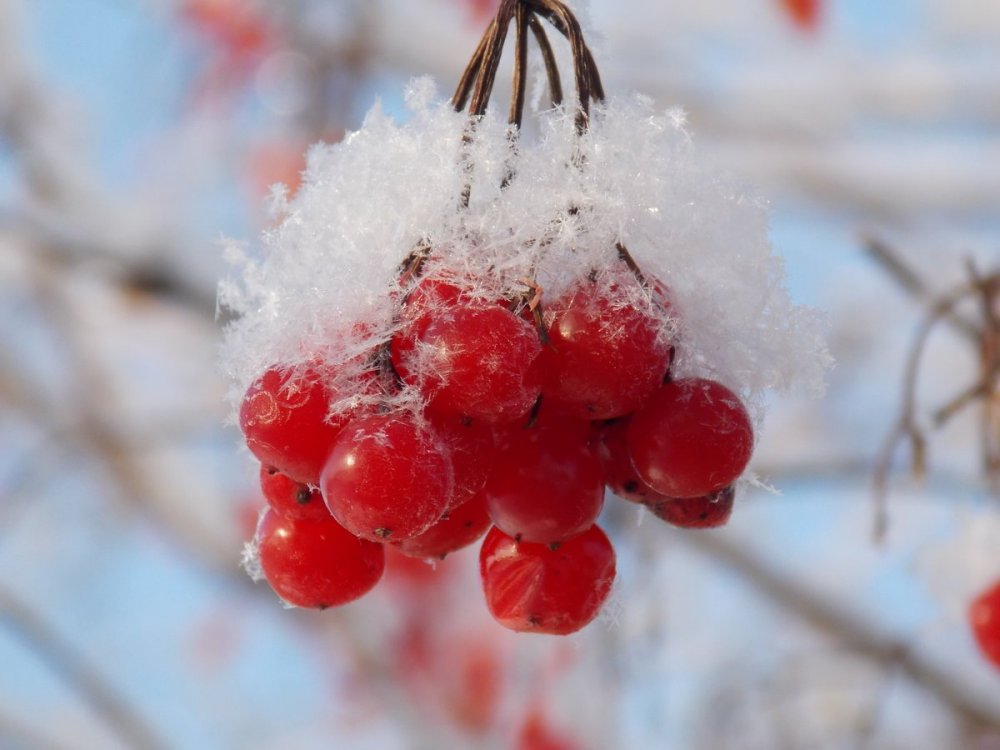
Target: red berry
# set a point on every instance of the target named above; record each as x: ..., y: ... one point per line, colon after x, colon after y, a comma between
x: 707, y: 512
x: 480, y: 361
x: 290, y: 498
x: 316, y: 564
x: 428, y: 299
x: 984, y: 618
x: 536, y: 734
x: 547, y: 485
x: 387, y: 478
x: 284, y: 419
x: 619, y: 474
x: 473, y: 452
x: 691, y: 439
x: 606, y: 357
x: 458, y: 528
x: 541, y: 589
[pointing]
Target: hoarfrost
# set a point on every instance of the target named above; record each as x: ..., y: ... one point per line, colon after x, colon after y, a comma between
x: 326, y: 282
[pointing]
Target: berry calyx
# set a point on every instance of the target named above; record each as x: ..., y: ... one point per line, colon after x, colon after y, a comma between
x: 706, y: 512
x: 692, y: 438
x: 984, y: 619
x: 316, y: 564
x: 290, y: 498
x: 541, y: 589
x: 387, y: 478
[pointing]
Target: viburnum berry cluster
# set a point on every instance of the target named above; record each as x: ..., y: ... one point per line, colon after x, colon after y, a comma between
x: 456, y: 333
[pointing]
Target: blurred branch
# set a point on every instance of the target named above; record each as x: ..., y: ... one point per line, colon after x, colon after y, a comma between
x: 847, y: 627
x: 14, y: 730
x: 23, y: 622
x: 892, y: 264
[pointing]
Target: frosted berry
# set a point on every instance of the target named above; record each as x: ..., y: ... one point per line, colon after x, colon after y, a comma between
x: 316, y: 564
x: 284, y: 419
x: 387, y: 478
x: 606, y: 357
x: 458, y: 528
x: 691, y: 439
x: 984, y: 618
x: 290, y: 498
x: 429, y: 298
x: 547, y: 485
x: 541, y: 589
x: 480, y: 361
x: 706, y: 512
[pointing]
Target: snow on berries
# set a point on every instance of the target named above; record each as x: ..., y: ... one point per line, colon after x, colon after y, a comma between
x: 455, y: 330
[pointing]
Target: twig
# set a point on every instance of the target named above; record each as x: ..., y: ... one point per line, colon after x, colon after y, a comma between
x: 910, y: 281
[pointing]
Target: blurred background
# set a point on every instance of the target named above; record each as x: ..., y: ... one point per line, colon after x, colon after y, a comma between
x: 134, y: 134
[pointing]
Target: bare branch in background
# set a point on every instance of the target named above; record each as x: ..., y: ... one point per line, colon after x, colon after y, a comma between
x: 72, y: 667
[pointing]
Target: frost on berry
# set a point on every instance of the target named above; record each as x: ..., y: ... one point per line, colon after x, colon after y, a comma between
x: 365, y: 203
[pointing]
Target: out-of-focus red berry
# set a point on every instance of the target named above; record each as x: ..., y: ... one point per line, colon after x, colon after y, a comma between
x: 984, y: 618
x: 804, y: 13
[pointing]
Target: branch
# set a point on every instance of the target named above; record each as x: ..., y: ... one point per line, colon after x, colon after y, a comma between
x: 848, y: 627
x: 24, y: 623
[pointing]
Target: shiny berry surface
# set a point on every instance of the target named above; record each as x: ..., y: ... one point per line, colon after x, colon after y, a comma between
x: 546, y: 486
x: 606, y: 357
x: 473, y: 452
x: 616, y: 463
x: 387, y: 478
x: 706, y: 512
x: 691, y: 439
x: 316, y: 564
x: 284, y: 419
x: 540, y: 589
x: 459, y: 528
x: 984, y: 619
x: 290, y: 498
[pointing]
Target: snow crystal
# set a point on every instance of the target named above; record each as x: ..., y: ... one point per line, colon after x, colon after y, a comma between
x: 325, y: 283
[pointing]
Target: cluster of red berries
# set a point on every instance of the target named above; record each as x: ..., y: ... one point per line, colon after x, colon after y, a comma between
x: 524, y: 418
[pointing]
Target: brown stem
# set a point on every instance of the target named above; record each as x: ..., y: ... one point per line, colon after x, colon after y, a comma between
x: 491, y: 60
x: 522, y: 17
x: 471, y: 73
x: 549, y: 58
x: 906, y: 426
